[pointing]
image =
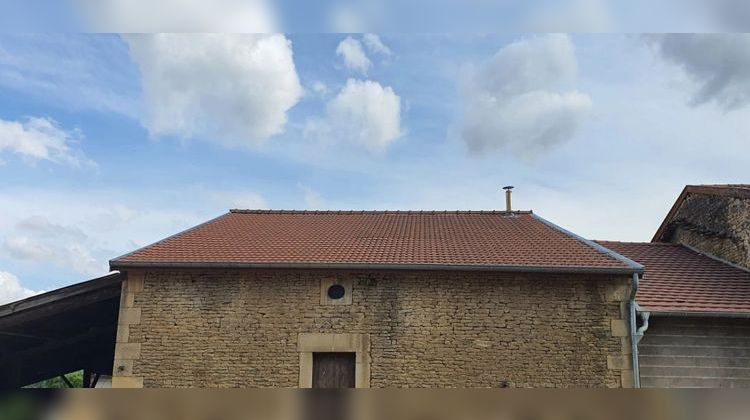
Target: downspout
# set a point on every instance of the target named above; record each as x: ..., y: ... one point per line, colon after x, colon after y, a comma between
x: 634, y: 333
x: 644, y: 317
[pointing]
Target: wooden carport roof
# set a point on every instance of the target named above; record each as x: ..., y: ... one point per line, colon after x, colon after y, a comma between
x: 65, y: 330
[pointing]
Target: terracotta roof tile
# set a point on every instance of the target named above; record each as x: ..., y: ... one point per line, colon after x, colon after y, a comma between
x: 376, y: 237
x: 678, y: 279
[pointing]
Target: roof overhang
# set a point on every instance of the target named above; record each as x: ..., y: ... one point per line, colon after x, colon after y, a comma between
x: 124, y: 265
x: 60, y: 331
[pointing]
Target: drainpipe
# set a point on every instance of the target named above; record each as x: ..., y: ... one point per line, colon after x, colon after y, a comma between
x: 634, y: 333
x: 644, y: 316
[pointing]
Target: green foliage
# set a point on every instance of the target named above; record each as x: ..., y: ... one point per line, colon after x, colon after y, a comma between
x: 76, y: 378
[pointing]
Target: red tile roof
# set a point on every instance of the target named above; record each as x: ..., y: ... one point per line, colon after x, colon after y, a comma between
x: 434, y: 239
x: 679, y: 279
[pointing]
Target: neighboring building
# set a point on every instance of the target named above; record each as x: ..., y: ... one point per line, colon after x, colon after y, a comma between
x: 695, y: 293
x: 698, y: 333
x: 374, y: 299
x: 714, y: 219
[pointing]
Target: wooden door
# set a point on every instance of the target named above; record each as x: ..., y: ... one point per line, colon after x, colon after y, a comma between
x: 333, y: 370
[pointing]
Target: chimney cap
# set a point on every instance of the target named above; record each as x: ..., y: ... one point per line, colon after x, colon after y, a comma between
x: 508, y: 187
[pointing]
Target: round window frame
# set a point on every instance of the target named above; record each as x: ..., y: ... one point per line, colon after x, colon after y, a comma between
x: 333, y: 292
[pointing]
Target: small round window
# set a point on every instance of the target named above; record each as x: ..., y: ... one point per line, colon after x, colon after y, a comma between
x: 336, y: 291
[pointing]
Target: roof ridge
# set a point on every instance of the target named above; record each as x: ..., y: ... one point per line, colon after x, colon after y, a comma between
x: 721, y: 185
x: 429, y: 212
x: 601, y: 241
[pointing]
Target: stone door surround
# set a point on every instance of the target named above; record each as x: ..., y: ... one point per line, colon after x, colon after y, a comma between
x: 359, y: 344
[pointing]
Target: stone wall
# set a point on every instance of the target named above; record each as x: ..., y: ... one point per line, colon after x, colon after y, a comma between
x: 717, y: 225
x: 241, y: 328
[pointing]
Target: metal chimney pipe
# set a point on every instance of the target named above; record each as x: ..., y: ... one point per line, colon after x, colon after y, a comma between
x: 508, y: 191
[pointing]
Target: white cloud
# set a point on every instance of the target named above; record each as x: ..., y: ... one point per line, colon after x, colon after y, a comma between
x: 24, y: 248
x: 345, y: 18
x: 70, y: 72
x: 82, y: 234
x: 375, y: 45
x: 146, y: 16
x: 11, y: 289
x: 313, y: 198
x: 517, y: 100
x: 320, y: 88
x: 354, y: 56
x: 718, y: 65
x: 41, y: 139
x: 526, y: 124
x: 113, y: 216
x: 234, y: 88
x: 363, y: 112
x: 238, y: 200
x: 55, y: 251
x: 41, y: 226
x: 88, y: 228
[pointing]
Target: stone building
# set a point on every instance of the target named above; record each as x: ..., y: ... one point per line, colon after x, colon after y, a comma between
x: 405, y: 299
x: 694, y: 297
x: 375, y: 299
x: 714, y: 219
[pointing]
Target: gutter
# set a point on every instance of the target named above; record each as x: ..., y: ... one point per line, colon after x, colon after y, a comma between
x: 114, y: 264
x: 739, y: 315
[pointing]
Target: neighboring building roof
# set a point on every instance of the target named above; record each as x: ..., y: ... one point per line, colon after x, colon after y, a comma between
x: 726, y: 190
x: 680, y: 279
x: 478, y: 240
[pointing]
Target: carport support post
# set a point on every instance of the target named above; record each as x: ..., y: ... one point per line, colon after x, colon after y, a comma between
x: 67, y: 381
x: 86, y: 378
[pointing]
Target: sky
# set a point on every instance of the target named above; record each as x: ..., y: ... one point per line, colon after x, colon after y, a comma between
x: 109, y: 142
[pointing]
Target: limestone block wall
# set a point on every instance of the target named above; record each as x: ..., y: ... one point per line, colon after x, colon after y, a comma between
x: 248, y: 328
x: 716, y: 225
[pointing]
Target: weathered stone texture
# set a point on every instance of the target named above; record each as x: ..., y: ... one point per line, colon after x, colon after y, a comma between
x: 427, y: 329
x: 716, y: 225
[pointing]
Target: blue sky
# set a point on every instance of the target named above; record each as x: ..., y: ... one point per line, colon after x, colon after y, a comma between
x: 385, y: 16
x: 109, y: 142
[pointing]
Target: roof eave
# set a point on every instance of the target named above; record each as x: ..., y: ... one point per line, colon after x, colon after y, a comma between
x: 73, y: 290
x: 705, y: 314
x: 114, y: 264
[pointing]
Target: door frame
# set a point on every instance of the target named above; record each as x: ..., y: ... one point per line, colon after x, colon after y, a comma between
x: 359, y: 344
